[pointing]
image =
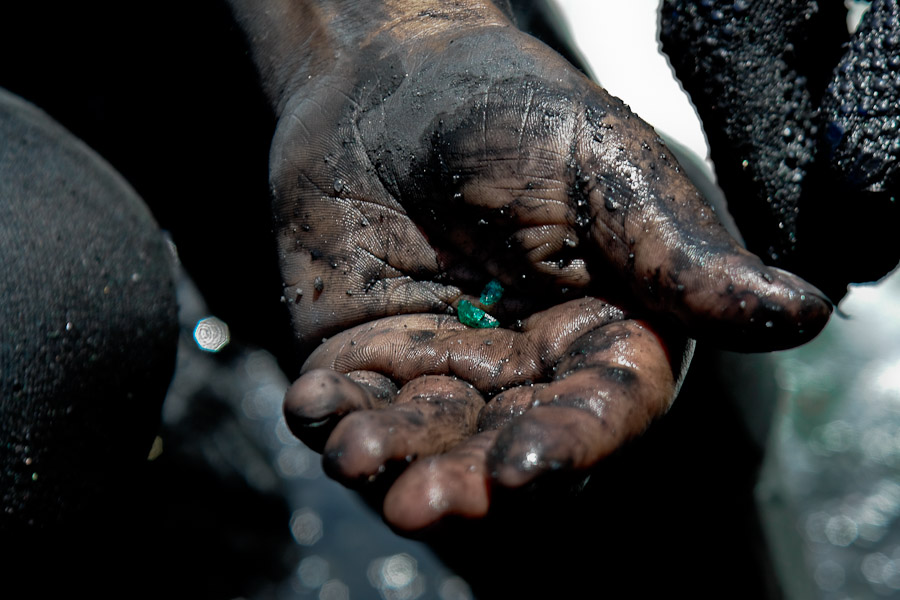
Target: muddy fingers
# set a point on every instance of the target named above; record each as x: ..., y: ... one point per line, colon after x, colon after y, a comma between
x: 594, y: 380
x: 608, y: 387
x: 454, y: 483
x: 430, y: 415
x: 315, y: 404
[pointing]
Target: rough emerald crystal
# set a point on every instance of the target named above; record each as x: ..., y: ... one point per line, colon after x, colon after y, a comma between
x: 492, y: 293
x: 473, y: 316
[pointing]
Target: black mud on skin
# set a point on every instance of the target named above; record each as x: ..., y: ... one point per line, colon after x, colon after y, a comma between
x: 432, y: 415
x: 335, y: 397
x: 430, y: 174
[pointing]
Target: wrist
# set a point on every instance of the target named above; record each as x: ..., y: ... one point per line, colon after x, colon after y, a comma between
x: 293, y: 41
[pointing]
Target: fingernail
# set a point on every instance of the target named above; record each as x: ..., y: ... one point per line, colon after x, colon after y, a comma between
x: 803, y: 287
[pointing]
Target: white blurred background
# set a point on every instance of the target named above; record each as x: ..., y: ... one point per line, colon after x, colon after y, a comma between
x: 618, y: 39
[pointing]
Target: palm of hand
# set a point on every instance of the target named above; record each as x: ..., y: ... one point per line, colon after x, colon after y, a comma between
x: 403, y: 184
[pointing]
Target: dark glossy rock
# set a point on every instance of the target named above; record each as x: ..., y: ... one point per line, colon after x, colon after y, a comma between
x: 861, y: 106
x: 744, y: 67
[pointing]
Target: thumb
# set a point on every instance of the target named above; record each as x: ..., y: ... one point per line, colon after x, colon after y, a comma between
x: 661, y: 238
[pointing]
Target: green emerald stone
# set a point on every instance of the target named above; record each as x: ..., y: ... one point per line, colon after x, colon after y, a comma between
x: 492, y: 293
x: 472, y: 316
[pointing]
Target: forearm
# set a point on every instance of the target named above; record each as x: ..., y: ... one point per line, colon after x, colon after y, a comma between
x: 293, y: 40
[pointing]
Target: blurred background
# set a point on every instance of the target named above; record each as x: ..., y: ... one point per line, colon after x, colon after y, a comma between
x: 828, y: 413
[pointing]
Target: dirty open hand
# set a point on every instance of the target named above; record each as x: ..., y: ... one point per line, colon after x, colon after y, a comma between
x: 420, y: 155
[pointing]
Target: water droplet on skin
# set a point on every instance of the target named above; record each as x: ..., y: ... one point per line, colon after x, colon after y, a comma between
x: 338, y: 186
x: 318, y: 284
x: 743, y: 304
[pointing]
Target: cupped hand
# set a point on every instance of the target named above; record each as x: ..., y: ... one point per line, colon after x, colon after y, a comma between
x: 409, y: 175
x: 466, y: 409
